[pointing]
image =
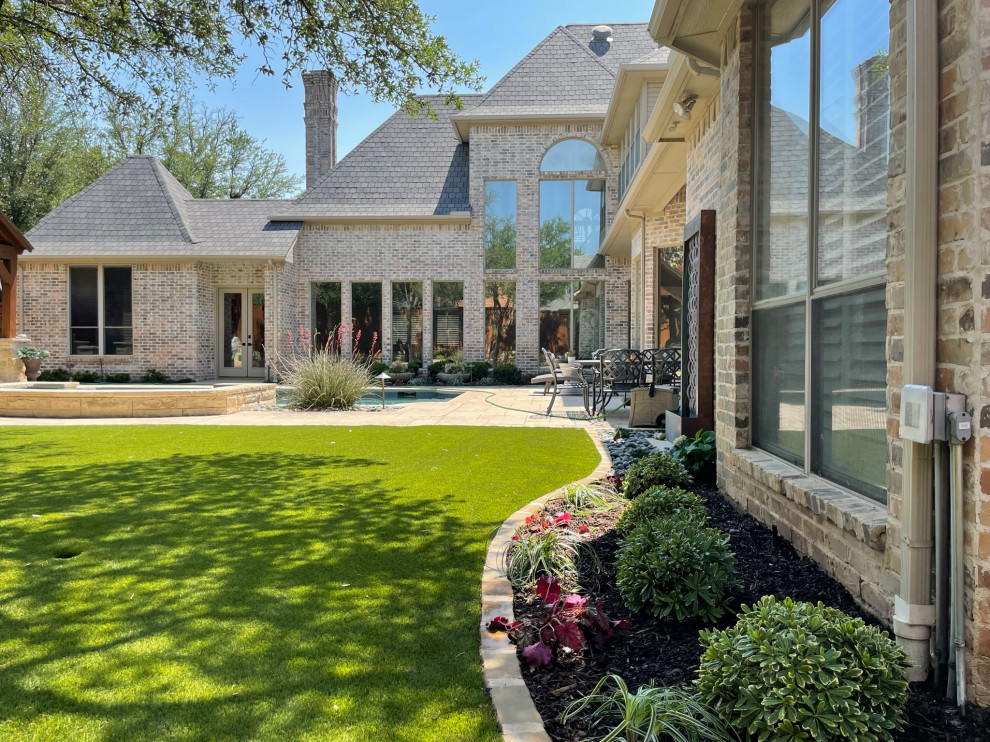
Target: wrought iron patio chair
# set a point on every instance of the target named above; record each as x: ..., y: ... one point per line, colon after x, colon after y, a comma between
x: 622, y: 371
x: 559, y: 378
x: 662, y: 366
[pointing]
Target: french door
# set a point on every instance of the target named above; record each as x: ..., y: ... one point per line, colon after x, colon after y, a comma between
x: 241, y: 334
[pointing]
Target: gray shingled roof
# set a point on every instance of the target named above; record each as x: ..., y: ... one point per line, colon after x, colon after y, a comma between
x: 139, y: 209
x: 567, y: 72
x: 408, y: 166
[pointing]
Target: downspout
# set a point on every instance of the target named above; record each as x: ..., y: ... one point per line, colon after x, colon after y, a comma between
x: 642, y: 289
x: 913, y: 611
x: 699, y: 69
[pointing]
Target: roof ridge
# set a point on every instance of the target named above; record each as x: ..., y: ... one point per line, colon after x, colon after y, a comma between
x: 590, y: 53
x: 517, y: 65
x: 158, y: 169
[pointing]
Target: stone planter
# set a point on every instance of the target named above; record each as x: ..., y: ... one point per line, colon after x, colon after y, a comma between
x: 404, y: 376
x: 32, y: 367
x: 452, y: 378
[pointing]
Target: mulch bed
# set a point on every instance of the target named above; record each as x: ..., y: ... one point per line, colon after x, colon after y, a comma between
x: 669, y: 652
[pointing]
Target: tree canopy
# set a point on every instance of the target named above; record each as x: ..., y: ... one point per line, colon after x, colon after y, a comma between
x: 134, y: 50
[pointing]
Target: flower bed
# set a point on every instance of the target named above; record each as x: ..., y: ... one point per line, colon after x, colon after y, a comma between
x: 668, y: 652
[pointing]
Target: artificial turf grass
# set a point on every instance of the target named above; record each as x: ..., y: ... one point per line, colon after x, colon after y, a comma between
x: 255, y: 583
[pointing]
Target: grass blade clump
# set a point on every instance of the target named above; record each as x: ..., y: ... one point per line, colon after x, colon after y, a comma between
x: 549, y: 552
x: 650, y: 714
x: 586, y: 499
x: 324, y: 381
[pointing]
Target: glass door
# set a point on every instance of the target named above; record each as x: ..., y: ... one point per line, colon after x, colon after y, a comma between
x: 241, y: 350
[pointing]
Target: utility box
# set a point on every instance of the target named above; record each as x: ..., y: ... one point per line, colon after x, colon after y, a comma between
x: 917, y: 413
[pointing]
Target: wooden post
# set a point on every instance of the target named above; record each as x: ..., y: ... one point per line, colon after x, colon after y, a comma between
x: 8, y: 301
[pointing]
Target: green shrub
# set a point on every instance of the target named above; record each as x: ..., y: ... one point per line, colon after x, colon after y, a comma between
x: 650, y: 714
x: 478, y: 370
x: 86, y: 377
x: 154, y: 376
x: 507, y: 374
x: 325, y: 381
x: 794, y: 671
x: 414, y: 367
x: 657, y: 470
x: 676, y: 569
x: 660, y: 503
x: 377, y: 367
x: 54, y: 374
x: 122, y: 378
x: 697, y: 454
x: 436, y: 367
x: 554, y: 552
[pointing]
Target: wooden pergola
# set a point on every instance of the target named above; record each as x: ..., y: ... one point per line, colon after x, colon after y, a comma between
x: 12, y: 244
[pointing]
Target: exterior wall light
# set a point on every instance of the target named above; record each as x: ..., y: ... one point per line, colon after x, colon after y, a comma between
x: 683, y: 107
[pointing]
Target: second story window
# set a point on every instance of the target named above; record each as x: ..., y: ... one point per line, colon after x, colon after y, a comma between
x: 500, y: 224
x: 572, y: 210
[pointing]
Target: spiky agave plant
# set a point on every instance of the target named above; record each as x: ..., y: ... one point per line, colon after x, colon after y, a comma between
x: 651, y: 714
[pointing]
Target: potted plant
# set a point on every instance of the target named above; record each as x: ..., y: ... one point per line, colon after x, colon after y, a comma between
x: 570, y: 356
x: 453, y: 373
x: 32, y: 358
x: 399, y: 371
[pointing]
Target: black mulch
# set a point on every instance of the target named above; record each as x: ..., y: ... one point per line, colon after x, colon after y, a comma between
x: 669, y: 652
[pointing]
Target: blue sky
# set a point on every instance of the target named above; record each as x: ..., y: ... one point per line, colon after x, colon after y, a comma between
x: 497, y: 36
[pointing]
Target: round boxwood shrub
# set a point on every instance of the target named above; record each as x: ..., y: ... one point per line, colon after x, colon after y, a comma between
x: 790, y: 671
x: 660, y: 503
x: 676, y: 569
x: 658, y: 470
x: 507, y: 374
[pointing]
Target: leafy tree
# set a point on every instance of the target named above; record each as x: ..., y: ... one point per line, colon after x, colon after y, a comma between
x: 500, y: 236
x: 48, y: 151
x: 130, y: 50
x: 501, y: 318
x: 204, y: 148
x: 555, y: 243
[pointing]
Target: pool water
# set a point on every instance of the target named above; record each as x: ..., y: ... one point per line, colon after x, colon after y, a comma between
x: 393, y: 396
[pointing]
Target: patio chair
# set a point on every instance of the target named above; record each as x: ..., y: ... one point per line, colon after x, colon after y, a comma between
x: 622, y: 371
x: 661, y: 369
x: 662, y: 366
x: 561, y: 378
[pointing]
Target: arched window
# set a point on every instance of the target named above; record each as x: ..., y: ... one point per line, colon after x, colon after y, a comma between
x: 572, y: 155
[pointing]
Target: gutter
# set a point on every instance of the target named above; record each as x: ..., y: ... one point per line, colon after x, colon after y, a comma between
x: 455, y: 217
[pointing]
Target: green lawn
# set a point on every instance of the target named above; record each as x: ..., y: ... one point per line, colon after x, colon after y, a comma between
x: 255, y: 583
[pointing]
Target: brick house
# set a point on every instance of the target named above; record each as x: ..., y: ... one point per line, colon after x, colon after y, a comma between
x: 839, y: 145
x: 478, y: 232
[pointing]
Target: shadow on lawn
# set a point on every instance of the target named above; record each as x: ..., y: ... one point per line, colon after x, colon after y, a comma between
x: 278, y: 590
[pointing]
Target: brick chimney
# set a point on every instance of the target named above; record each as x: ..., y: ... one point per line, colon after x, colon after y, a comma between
x: 320, y: 117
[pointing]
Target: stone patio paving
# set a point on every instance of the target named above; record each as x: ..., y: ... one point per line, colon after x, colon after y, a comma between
x: 499, y: 406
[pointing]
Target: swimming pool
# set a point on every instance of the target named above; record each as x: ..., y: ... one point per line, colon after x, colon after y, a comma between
x: 393, y: 396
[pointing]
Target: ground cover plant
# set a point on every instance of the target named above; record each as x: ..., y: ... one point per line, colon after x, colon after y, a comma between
x: 667, y: 653
x: 241, y: 584
x: 656, y: 470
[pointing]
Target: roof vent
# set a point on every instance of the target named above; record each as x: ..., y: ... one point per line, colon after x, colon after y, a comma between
x: 602, y: 33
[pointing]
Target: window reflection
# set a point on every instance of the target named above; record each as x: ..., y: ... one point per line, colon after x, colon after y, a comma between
x: 500, y: 224
x: 407, y: 321
x: 448, y: 318
x: 572, y: 317
x: 500, y: 322
x: 572, y: 155
x: 571, y: 219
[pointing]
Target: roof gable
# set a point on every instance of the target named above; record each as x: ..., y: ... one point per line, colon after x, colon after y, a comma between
x: 408, y: 166
x: 567, y: 72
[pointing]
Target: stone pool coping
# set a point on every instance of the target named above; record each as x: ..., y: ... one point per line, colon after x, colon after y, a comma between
x: 80, y: 402
x: 517, y: 714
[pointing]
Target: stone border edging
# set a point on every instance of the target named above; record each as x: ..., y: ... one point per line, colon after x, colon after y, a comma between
x: 517, y: 714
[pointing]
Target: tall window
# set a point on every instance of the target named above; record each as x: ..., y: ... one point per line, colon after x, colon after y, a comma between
x: 366, y: 311
x: 500, y: 322
x: 326, y: 314
x: 448, y: 318
x: 100, y: 316
x: 407, y: 321
x: 500, y: 224
x: 572, y: 212
x: 819, y: 317
x: 572, y: 317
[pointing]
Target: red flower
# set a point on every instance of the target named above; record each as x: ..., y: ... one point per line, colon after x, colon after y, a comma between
x: 584, y: 529
x: 564, y: 518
